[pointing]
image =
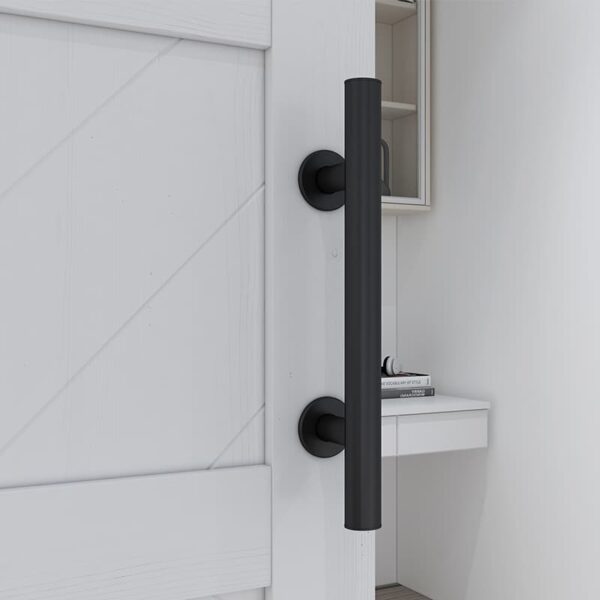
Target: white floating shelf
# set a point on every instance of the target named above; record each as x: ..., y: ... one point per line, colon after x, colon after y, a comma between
x: 392, y: 11
x: 435, y: 424
x: 396, y: 110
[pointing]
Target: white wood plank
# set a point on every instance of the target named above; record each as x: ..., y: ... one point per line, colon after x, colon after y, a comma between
x: 236, y: 22
x: 149, y: 538
x: 442, y: 432
x: 44, y: 59
x: 248, y: 448
x: 175, y: 387
x: 154, y: 166
x: 305, y: 258
x: 434, y: 404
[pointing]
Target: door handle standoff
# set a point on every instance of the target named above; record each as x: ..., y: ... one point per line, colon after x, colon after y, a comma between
x: 327, y: 182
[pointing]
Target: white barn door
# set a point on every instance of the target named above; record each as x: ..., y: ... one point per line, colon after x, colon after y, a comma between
x: 167, y: 299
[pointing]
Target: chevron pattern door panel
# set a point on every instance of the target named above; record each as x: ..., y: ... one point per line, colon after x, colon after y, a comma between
x: 131, y: 254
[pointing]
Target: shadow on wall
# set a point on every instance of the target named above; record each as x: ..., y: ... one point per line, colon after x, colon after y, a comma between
x: 442, y: 506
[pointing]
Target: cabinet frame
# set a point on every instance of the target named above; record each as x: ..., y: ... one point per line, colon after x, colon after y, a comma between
x: 422, y: 201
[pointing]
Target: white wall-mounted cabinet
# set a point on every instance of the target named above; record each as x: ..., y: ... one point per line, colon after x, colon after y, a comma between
x: 402, y: 64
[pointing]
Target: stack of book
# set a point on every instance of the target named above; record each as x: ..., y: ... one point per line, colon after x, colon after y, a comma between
x: 406, y: 385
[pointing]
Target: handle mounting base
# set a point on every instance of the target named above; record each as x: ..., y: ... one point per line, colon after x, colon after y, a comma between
x: 313, y: 443
x: 309, y: 184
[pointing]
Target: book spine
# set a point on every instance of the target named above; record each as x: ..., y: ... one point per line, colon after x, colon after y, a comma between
x: 420, y: 392
x: 405, y: 382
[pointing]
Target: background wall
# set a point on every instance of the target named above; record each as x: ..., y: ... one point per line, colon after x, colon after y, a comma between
x: 499, y: 297
x: 386, y: 537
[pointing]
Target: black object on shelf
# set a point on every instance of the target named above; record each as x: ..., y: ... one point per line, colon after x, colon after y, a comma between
x: 385, y: 182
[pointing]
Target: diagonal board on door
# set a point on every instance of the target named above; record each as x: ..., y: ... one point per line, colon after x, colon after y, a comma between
x: 135, y: 344
x: 158, y: 383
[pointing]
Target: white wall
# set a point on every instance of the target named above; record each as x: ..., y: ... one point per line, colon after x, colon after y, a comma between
x: 385, y: 550
x: 499, y: 296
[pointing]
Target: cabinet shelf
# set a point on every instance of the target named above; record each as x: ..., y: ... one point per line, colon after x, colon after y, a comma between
x: 393, y: 11
x: 395, y: 205
x: 390, y: 111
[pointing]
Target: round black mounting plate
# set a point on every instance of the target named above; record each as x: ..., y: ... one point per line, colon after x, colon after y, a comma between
x: 307, y: 180
x: 307, y: 426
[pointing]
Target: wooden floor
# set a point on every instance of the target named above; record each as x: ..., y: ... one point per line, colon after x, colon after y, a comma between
x: 398, y: 592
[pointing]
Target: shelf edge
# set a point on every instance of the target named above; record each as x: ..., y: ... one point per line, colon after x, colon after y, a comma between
x: 393, y: 208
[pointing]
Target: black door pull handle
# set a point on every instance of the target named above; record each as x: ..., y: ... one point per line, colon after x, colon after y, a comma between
x: 328, y: 181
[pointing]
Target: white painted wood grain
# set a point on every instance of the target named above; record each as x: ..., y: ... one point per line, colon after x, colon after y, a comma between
x: 173, y: 388
x: 103, y: 221
x: 248, y: 448
x: 236, y: 22
x: 132, y: 330
x: 305, y: 265
x: 54, y: 77
x: 156, y: 538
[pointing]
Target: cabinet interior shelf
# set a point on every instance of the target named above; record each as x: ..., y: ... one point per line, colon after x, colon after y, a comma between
x: 396, y: 110
x: 393, y: 11
x: 395, y: 205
